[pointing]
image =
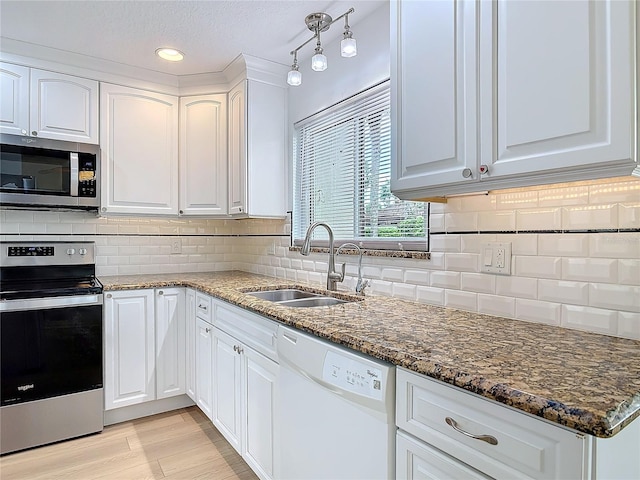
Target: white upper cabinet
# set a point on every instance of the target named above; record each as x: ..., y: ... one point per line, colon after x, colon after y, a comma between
x: 203, y: 155
x: 139, y: 132
x: 490, y: 95
x: 14, y: 99
x: 257, y: 154
x: 48, y: 105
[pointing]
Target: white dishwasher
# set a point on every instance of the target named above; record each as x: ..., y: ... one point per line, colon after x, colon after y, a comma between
x: 336, y: 412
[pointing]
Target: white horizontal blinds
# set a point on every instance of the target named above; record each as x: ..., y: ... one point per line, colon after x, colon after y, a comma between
x: 342, y: 177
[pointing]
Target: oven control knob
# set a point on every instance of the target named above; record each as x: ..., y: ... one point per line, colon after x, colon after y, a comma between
x: 82, y: 251
x: 71, y: 251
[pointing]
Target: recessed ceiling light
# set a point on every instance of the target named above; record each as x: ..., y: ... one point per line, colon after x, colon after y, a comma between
x: 170, y: 54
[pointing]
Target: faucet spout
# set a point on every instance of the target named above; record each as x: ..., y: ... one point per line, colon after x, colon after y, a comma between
x: 362, y: 284
x: 333, y: 277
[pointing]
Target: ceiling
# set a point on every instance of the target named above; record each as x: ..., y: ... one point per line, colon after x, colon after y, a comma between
x: 211, y: 33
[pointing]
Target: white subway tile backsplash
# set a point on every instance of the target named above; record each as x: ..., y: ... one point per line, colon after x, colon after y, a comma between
x: 521, y: 244
x: 629, y: 272
x: 445, y: 279
x: 615, y: 245
x: 576, y: 293
x: 538, y: 267
x: 392, y: 274
x: 614, y: 191
x: 461, y: 222
x: 560, y: 197
x: 478, y: 282
x: 629, y: 215
x: 602, y: 270
x: 517, y: 200
x: 567, y: 245
x: 416, y: 277
x: 629, y: 325
x: 615, y: 297
x: 436, y: 222
x: 537, y: 311
x: 403, y: 290
x: 461, y: 300
x: 461, y: 262
x: 539, y: 219
x: 382, y: 287
x: 496, y: 305
x: 497, y: 221
x: 590, y: 319
x: 473, y: 243
x: 430, y: 295
x: 521, y: 287
x: 590, y: 217
x: 445, y: 243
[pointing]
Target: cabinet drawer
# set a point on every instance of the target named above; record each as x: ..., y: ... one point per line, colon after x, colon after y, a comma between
x: 253, y: 330
x: 203, y: 307
x: 416, y: 460
x: 525, y: 447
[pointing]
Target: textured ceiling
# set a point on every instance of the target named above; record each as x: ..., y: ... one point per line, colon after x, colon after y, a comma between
x: 210, y: 33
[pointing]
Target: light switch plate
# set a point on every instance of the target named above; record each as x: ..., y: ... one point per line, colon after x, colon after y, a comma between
x: 495, y: 258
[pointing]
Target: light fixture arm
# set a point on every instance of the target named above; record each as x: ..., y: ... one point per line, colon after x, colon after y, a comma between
x: 325, y: 26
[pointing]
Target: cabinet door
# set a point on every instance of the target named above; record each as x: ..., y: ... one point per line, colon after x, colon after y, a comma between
x: 204, y: 367
x: 129, y: 348
x: 227, y: 383
x: 170, y: 342
x: 63, y: 107
x: 14, y: 99
x: 190, y: 318
x: 237, y: 149
x: 260, y: 383
x: 433, y: 94
x: 139, y: 144
x: 203, y: 155
x: 557, y: 91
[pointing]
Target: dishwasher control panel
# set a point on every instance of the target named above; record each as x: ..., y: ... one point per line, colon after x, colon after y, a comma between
x: 355, y: 376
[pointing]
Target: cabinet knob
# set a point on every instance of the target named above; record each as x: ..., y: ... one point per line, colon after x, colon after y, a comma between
x: 34, y: 133
x: 24, y: 132
x: 103, y: 209
x: 484, y: 169
x: 181, y: 212
x: 160, y: 292
x: 207, y: 329
x: 466, y: 173
x: 109, y: 295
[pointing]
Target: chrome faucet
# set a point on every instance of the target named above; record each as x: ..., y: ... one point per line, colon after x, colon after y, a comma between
x: 333, y: 277
x: 362, y: 284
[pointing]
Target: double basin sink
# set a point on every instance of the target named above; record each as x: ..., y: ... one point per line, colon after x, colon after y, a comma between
x: 291, y: 297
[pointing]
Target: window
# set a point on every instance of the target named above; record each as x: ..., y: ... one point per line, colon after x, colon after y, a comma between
x: 342, y: 159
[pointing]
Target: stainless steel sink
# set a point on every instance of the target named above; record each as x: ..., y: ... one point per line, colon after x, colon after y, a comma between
x: 313, y: 302
x: 282, y: 295
x: 289, y: 297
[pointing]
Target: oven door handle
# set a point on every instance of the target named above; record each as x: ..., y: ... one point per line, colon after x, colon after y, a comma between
x: 51, y: 302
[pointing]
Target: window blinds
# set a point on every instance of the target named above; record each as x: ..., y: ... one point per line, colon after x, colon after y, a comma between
x: 342, y: 177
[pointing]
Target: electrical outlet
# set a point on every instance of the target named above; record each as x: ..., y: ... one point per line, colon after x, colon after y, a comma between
x: 495, y: 258
x: 176, y: 245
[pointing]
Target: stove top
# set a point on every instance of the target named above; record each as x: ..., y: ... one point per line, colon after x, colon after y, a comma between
x: 47, y: 269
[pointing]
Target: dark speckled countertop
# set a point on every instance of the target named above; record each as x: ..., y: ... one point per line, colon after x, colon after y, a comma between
x: 585, y: 381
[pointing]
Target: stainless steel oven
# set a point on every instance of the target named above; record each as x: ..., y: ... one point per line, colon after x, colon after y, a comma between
x: 36, y: 172
x: 51, y: 360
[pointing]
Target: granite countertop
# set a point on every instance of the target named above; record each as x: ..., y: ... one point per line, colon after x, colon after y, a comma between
x: 585, y: 381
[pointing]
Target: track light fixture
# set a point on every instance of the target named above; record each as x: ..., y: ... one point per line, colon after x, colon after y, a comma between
x: 317, y: 23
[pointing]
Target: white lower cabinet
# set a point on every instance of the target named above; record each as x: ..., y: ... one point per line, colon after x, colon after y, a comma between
x: 445, y: 432
x: 144, y: 346
x: 204, y: 366
x: 244, y: 384
x: 190, y: 342
x: 129, y: 353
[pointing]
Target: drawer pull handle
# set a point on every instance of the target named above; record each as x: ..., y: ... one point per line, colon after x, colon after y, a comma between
x: 202, y: 307
x: 485, y: 438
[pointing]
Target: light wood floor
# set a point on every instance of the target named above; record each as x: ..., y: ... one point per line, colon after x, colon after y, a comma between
x: 182, y: 444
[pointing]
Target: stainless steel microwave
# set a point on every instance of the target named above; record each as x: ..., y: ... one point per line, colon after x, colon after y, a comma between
x: 40, y: 173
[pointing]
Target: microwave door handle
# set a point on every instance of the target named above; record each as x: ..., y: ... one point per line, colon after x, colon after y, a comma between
x: 74, y: 175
